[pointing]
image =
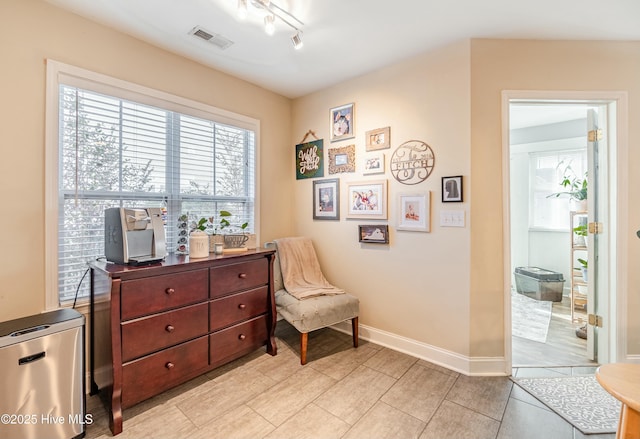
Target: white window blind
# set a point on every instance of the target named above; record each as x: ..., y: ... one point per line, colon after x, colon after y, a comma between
x: 547, y: 170
x: 115, y: 152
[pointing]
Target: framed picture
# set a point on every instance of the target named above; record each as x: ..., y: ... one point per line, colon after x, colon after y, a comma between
x: 414, y: 212
x: 326, y: 199
x: 367, y: 199
x: 375, y: 234
x: 373, y: 163
x: 342, y: 122
x: 378, y: 139
x: 342, y: 159
x: 309, y: 160
x: 452, y: 189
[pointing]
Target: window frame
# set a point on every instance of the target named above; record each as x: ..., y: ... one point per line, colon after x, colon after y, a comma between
x: 59, y: 73
x: 533, y: 187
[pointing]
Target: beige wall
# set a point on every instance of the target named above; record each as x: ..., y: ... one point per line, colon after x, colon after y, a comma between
x: 440, y: 290
x: 416, y: 287
x: 445, y: 288
x: 32, y: 31
x: 498, y: 65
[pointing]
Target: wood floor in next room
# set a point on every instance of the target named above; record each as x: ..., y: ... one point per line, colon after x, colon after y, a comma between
x: 562, y: 348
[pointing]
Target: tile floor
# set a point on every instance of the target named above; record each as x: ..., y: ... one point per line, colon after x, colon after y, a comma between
x: 342, y: 392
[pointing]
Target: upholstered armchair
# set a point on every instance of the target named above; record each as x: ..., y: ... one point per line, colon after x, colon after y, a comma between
x: 315, y: 312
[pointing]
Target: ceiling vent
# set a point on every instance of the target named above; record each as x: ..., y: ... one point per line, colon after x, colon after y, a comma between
x: 217, y: 40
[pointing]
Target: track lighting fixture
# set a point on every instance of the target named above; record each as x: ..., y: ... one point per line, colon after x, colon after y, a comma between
x: 274, y: 11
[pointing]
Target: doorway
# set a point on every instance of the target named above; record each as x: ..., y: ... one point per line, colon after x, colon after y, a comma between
x: 550, y: 159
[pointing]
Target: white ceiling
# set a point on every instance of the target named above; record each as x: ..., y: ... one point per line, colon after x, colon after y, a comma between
x: 534, y: 114
x: 347, y: 38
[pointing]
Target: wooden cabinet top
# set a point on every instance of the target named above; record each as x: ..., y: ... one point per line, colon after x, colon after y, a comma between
x: 174, y: 263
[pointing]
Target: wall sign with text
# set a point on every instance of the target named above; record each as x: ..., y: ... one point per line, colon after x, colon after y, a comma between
x: 309, y: 160
x: 412, y: 162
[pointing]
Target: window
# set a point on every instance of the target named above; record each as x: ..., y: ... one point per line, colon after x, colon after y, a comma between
x: 547, y: 171
x: 131, y: 149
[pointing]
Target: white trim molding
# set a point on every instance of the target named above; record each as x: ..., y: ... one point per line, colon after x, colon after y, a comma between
x: 619, y: 213
x: 470, y: 366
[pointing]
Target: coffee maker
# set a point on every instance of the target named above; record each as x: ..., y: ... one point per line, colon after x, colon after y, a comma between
x: 134, y: 236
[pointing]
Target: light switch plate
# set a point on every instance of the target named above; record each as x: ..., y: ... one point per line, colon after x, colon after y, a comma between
x: 452, y: 218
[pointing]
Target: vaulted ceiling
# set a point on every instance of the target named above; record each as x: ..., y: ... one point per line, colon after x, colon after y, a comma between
x: 346, y: 38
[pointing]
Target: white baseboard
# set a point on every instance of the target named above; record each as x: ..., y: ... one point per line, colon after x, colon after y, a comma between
x: 471, y: 366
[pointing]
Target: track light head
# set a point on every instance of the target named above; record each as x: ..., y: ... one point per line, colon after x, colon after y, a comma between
x: 269, y: 24
x: 242, y: 9
x: 297, y: 40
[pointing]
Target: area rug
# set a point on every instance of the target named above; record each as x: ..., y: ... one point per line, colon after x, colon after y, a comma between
x: 529, y: 317
x: 580, y: 400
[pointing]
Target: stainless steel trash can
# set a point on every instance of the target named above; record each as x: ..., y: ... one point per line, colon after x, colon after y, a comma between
x: 42, y: 376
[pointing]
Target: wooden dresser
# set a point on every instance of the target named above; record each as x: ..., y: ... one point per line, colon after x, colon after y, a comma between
x: 172, y: 321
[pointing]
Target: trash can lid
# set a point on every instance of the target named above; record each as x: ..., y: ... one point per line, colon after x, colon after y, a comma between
x: 540, y: 273
x: 38, y: 325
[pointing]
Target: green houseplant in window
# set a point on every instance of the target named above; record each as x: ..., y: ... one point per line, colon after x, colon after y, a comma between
x: 233, y: 236
x: 575, y: 188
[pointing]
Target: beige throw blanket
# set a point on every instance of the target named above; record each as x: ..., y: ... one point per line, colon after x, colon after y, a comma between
x: 300, y: 268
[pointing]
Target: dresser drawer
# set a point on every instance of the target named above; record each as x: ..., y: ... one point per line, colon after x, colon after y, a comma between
x: 149, y: 334
x: 150, y: 375
x: 235, y: 341
x: 237, y: 307
x: 150, y: 295
x: 237, y: 277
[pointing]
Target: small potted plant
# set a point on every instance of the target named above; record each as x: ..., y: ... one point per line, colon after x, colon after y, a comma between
x: 583, y: 268
x: 223, y: 230
x: 235, y: 236
x: 581, y: 235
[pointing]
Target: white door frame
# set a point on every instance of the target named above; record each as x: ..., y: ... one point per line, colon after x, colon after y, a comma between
x: 617, y: 349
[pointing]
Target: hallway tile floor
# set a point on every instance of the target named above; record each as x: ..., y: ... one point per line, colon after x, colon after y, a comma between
x: 342, y: 392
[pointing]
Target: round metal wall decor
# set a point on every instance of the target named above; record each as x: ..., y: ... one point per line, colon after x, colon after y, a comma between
x: 412, y: 162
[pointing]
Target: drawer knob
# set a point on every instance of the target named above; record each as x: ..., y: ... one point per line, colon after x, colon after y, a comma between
x: 169, y: 365
x: 242, y: 275
x: 242, y: 306
x: 169, y: 328
x: 169, y: 291
x: 242, y: 337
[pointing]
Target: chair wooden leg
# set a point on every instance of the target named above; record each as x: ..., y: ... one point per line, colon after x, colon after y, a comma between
x: 354, y: 330
x: 304, y: 336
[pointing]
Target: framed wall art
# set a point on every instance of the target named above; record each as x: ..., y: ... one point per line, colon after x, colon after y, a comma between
x: 378, y: 139
x: 309, y: 160
x: 342, y: 122
x: 414, y: 212
x: 367, y: 199
x: 452, y: 189
x: 342, y: 159
x: 373, y: 163
x: 375, y: 234
x: 326, y: 199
